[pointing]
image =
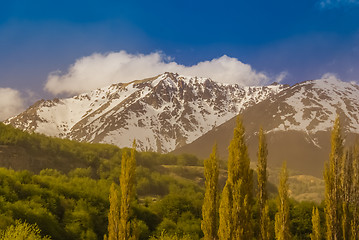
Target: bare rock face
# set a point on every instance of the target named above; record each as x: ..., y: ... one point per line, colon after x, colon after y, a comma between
x: 162, y: 113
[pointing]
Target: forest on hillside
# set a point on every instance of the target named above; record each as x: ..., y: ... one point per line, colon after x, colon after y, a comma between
x: 76, y: 193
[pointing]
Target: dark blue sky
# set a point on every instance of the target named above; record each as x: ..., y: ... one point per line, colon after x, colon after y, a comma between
x: 304, y: 38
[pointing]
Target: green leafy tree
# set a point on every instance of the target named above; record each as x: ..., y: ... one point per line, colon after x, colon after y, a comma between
x: 236, y: 203
x: 316, y: 231
x: 333, y: 198
x: 210, y: 203
x: 127, y: 186
x: 282, y: 218
x: 22, y: 230
x: 262, y: 187
x: 113, y: 215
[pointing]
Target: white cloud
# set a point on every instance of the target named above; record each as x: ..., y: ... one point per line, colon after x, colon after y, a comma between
x: 335, y: 77
x: 99, y: 70
x: 281, y: 77
x: 329, y: 4
x: 11, y: 103
x: 330, y: 75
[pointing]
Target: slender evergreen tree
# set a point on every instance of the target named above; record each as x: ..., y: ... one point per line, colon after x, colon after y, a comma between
x: 282, y: 218
x: 210, y: 203
x: 114, y: 214
x: 316, y: 231
x: 236, y: 202
x: 333, y: 198
x: 127, y: 186
x: 262, y: 187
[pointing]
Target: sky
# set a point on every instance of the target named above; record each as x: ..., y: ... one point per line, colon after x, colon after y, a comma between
x: 61, y: 48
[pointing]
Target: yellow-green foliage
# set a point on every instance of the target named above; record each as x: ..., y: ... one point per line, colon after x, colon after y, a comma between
x: 262, y: 169
x: 346, y: 187
x: 236, y: 202
x: 127, y: 186
x: 262, y: 187
x: 265, y: 223
x: 316, y: 230
x: 76, y: 205
x: 165, y: 236
x: 282, y: 218
x: 48, y: 152
x: 22, y: 230
x: 225, y: 230
x: 113, y: 214
x: 355, y: 195
x: 333, y: 201
x: 210, y: 202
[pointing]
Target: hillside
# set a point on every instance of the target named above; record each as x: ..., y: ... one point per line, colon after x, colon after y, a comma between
x: 63, y: 187
x: 34, y: 152
x: 72, y: 203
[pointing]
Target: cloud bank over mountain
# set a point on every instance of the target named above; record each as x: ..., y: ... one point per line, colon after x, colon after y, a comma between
x: 11, y: 103
x: 100, y: 70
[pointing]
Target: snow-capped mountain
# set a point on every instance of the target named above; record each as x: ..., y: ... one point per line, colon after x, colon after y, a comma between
x: 298, y: 122
x: 161, y: 113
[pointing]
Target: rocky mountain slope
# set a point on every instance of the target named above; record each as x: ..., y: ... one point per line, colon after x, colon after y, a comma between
x: 297, y: 121
x: 162, y: 113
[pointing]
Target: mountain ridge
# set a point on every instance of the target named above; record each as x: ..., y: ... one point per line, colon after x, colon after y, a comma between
x: 163, y: 112
x: 297, y: 131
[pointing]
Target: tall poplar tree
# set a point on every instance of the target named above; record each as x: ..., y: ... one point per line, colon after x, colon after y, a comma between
x: 127, y: 188
x: 333, y: 200
x: 347, y: 192
x: 355, y: 195
x: 113, y: 215
x: 210, y: 203
x: 316, y: 231
x: 236, y: 203
x: 282, y: 218
x: 225, y: 230
x: 262, y: 187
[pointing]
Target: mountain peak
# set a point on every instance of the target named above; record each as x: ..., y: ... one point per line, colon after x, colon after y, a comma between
x: 174, y: 80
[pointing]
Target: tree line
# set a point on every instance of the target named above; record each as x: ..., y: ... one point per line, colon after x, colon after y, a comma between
x: 130, y: 195
x: 341, y: 177
x: 229, y: 215
x: 341, y: 207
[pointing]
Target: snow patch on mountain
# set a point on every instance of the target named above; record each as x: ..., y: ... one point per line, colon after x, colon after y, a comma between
x: 312, y: 106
